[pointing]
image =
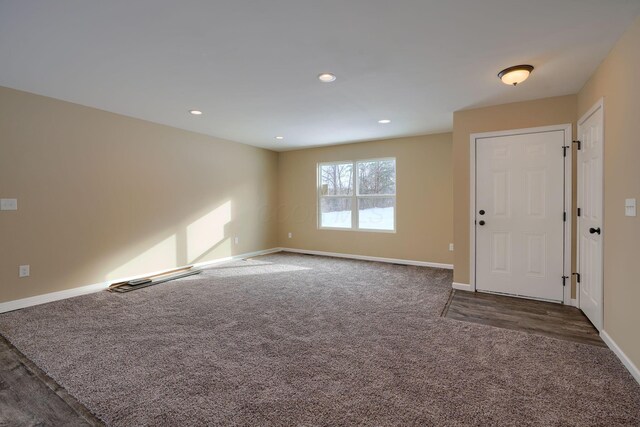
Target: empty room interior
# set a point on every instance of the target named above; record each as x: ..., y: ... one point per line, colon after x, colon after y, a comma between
x: 320, y: 213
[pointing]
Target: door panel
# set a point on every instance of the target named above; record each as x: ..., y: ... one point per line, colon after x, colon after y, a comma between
x: 520, y: 188
x: 501, y: 193
x: 535, y: 256
x: 535, y: 193
x: 501, y: 252
x: 590, y: 191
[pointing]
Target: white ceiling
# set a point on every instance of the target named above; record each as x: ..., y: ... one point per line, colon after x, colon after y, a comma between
x: 251, y: 65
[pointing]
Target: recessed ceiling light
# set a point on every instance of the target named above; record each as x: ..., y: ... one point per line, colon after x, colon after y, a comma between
x: 195, y: 112
x: 515, y: 75
x: 384, y: 121
x: 279, y: 137
x: 326, y: 77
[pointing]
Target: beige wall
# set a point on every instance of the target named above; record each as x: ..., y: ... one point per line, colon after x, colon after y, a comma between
x: 103, y: 196
x: 617, y: 81
x: 541, y: 112
x: 424, y: 200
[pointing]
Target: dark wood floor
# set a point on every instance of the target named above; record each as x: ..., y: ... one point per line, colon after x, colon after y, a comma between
x: 537, y: 317
x: 28, y: 397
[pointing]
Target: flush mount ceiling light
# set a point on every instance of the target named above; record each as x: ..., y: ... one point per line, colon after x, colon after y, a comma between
x: 326, y: 77
x: 195, y: 112
x: 279, y: 137
x: 515, y: 75
x: 384, y: 121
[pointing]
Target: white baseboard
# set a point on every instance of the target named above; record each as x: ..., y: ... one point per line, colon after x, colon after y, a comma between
x: 53, y: 296
x: 573, y: 303
x: 371, y: 258
x: 97, y: 287
x: 633, y: 369
x: 461, y: 286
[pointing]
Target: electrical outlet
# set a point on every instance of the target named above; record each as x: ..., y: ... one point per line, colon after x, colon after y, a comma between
x: 236, y: 240
x: 8, y: 204
x: 630, y: 207
x: 290, y: 235
x: 23, y: 271
x: 451, y: 247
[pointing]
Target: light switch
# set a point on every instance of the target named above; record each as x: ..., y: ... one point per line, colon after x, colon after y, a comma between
x: 8, y: 204
x: 630, y: 207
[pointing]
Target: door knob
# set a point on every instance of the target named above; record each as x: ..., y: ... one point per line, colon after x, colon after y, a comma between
x: 594, y: 230
x: 481, y: 222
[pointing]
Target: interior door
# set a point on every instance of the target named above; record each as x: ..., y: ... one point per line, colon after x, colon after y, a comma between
x: 520, y: 214
x: 590, y: 190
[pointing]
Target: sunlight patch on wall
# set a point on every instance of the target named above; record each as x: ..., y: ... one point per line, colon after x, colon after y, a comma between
x: 158, y: 257
x: 208, y: 232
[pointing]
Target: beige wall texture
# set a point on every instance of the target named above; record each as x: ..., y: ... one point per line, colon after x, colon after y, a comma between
x: 541, y: 112
x: 103, y: 196
x: 424, y: 200
x: 617, y: 81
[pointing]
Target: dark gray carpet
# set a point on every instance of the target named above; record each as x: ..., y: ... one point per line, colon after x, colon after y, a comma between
x: 298, y: 340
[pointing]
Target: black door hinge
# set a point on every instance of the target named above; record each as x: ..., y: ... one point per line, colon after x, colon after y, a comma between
x: 579, y: 144
x: 564, y: 216
x: 577, y: 276
x: 564, y: 150
x: 564, y: 280
x: 579, y: 212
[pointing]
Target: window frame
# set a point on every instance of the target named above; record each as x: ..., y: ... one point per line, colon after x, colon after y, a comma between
x: 355, y: 223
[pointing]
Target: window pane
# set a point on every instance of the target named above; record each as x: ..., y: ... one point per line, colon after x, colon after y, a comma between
x: 335, y: 212
x: 336, y: 180
x: 377, y: 177
x: 376, y: 213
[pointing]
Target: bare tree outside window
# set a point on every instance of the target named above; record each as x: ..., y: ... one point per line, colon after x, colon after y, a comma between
x: 377, y: 177
x: 376, y: 194
x: 336, y: 180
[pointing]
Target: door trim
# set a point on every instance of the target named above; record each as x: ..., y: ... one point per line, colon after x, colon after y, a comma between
x: 598, y: 105
x: 568, y: 138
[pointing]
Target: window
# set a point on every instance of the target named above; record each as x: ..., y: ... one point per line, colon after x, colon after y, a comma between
x: 358, y: 195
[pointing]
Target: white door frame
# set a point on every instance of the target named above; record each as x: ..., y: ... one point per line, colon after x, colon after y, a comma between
x: 598, y: 105
x: 567, y: 129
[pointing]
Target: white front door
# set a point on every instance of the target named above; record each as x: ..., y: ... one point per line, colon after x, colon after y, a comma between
x: 519, y: 214
x: 590, y: 134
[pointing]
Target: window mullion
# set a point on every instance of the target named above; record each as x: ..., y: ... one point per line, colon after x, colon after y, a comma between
x: 354, y: 199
